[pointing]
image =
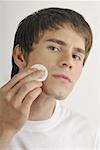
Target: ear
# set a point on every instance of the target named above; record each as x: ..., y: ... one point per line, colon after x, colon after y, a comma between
x: 19, y: 57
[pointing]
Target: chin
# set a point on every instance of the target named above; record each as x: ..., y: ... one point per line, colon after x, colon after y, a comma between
x: 60, y: 96
x: 55, y: 89
x: 54, y: 93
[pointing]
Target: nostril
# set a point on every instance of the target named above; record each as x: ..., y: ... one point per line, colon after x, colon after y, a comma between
x: 64, y: 64
x: 70, y: 67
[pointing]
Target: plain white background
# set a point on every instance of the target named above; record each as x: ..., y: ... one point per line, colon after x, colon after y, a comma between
x: 86, y: 94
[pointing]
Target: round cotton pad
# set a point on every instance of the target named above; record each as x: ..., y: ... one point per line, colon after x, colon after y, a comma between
x: 41, y: 67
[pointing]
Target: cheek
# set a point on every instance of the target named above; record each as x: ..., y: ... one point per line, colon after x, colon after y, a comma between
x: 76, y: 74
x: 48, y: 62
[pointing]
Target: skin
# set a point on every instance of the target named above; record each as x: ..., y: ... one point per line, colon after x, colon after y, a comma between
x: 59, y: 58
x: 26, y: 98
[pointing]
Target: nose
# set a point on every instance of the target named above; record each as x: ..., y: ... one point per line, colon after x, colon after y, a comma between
x: 66, y: 61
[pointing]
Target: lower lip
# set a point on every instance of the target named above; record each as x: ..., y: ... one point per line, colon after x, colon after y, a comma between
x: 62, y: 79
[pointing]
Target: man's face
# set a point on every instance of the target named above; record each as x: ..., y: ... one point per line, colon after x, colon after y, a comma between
x: 62, y: 52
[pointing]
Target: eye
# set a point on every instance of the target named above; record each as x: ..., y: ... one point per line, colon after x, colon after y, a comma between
x: 53, y: 48
x: 77, y: 57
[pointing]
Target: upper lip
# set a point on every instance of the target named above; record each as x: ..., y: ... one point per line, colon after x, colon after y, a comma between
x: 62, y: 76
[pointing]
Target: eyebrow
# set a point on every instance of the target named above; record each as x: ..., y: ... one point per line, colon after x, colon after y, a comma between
x: 57, y: 41
x: 79, y: 50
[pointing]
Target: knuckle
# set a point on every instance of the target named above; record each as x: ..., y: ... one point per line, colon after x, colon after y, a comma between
x: 2, y: 90
x: 25, y: 87
x: 15, y: 76
x: 13, y: 104
x: 8, y: 96
x: 5, y: 95
x: 30, y: 95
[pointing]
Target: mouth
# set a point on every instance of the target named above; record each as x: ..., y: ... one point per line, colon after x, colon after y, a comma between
x: 62, y: 77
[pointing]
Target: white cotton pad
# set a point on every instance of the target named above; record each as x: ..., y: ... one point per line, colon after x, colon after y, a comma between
x: 41, y: 67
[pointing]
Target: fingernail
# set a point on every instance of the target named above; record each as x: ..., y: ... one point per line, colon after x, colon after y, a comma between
x: 34, y: 69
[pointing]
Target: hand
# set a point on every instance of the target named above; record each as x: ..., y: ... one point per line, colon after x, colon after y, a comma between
x: 16, y: 98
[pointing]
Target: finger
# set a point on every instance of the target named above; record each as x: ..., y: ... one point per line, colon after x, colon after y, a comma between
x: 23, y: 91
x: 31, y: 77
x: 30, y: 98
x: 17, y: 78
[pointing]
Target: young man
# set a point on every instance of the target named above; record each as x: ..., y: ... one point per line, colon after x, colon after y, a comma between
x: 32, y: 115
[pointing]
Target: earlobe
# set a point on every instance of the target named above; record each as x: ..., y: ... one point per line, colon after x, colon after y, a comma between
x: 19, y: 57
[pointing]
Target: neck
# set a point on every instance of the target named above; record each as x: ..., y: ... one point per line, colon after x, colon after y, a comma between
x: 42, y: 108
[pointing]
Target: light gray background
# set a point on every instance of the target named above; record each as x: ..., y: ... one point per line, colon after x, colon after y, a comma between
x: 86, y: 94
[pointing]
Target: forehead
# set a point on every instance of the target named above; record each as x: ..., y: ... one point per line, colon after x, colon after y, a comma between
x: 65, y: 34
